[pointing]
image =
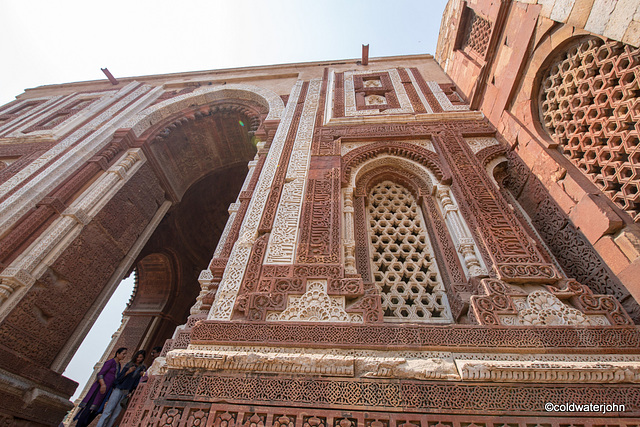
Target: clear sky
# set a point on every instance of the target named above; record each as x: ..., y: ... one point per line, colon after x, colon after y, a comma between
x: 49, y: 42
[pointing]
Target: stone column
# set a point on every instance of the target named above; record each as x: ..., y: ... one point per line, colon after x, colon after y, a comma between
x: 348, y: 240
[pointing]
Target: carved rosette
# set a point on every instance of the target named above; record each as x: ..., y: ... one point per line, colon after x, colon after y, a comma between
x: 539, y: 305
x: 315, y: 305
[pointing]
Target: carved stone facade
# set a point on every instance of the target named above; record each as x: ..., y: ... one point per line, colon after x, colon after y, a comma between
x: 338, y: 245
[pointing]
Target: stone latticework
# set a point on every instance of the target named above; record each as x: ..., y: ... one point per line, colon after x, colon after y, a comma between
x: 405, y: 271
x: 589, y: 105
x: 476, y: 36
x: 339, y: 245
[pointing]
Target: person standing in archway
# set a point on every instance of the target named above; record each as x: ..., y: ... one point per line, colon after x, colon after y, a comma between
x: 125, y: 384
x: 93, y: 401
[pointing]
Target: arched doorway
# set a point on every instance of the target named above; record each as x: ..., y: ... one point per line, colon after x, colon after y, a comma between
x: 173, y: 174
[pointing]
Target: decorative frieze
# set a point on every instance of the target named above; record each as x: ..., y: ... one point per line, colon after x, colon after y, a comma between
x: 228, y: 415
x: 411, y: 397
x: 411, y: 336
x: 261, y: 361
x: 549, y: 372
x: 398, y: 364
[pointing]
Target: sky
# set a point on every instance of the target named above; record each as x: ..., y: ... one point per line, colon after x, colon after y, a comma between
x: 52, y: 42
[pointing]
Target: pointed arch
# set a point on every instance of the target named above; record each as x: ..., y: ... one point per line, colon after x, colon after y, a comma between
x: 422, y: 156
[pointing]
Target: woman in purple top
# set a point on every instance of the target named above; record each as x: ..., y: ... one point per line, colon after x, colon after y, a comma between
x: 92, y: 403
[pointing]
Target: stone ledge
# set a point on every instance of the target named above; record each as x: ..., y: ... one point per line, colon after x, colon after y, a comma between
x: 406, y: 365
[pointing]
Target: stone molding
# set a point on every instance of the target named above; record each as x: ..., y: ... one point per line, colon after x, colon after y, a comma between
x: 172, y: 412
x: 492, y: 367
x: 519, y: 339
x: 407, y: 396
x: 64, y: 158
x: 549, y: 372
x: 205, y: 95
x: 470, y: 257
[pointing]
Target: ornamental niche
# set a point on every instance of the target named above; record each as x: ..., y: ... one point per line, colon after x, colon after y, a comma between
x: 589, y: 105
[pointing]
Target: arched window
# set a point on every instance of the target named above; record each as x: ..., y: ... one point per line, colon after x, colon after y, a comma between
x: 404, y: 235
x: 589, y: 104
x: 405, y: 270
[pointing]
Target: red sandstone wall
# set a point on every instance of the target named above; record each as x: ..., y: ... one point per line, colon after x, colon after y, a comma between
x: 506, y: 84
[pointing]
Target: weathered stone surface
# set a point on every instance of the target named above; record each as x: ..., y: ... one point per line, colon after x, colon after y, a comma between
x: 629, y: 241
x: 632, y: 35
x: 630, y: 278
x: 562, y: 9
x: 595, y: 218
x: 580, y: 13
x: 620, y: 19
x: 612, y: 254
x: 600, y: 15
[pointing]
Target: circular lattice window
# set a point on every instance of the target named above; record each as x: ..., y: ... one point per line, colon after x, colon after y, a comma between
x: 405, y: 270
x: 589, y: 103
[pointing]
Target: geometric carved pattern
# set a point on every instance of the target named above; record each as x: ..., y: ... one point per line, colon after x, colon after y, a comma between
x: 374, y: 91
x: 227, y: 415
x: 477, y: 33
x: 425, y: 91
x: 17, y: 110
x: 61, y: 115
x: 404, y: 267
x: 408, y: 396
x: 368, y: 93
x: 589, y: 103
x: 573, y: 252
